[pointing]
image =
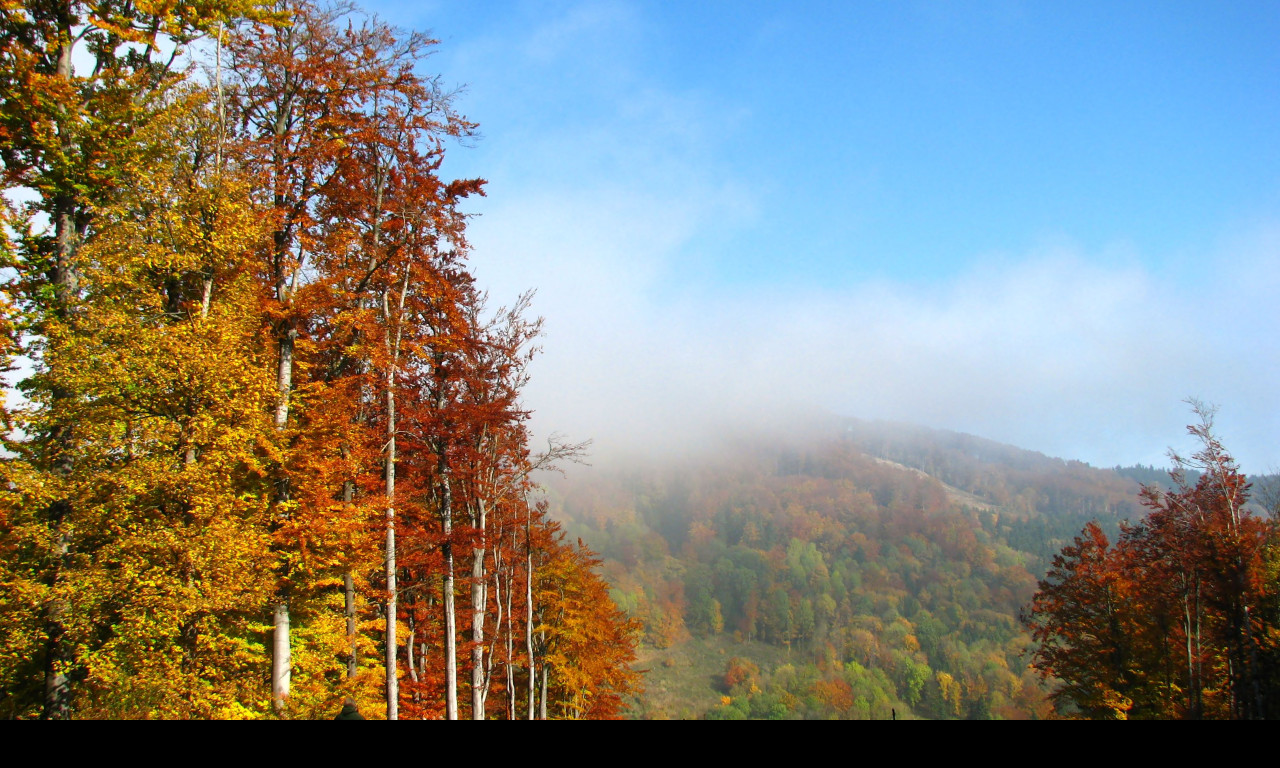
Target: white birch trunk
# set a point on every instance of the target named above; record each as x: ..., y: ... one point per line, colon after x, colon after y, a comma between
x: 450, y: 613
x: 393, y: 681
x: 479, y: 600
x: 510, y: 642
x: 542, y: 703
x: 528, y: 628
x: 282, y: 656
x: 392, y: 341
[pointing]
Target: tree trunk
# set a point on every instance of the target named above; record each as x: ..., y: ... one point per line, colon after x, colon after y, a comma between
x: 479, y: 599
x: 281, y: 658
x: 284, y: 373
x: 391, y: 340
x: 393, y: 682
x: 542, y: 702
x: 408, y: 648
x: 450, y: 615
x: 393, y: 350
x: 57, y: 688
x: 528, y: 611
x: 510, y: 643
x: 65, y: 279
x: 350, y: 595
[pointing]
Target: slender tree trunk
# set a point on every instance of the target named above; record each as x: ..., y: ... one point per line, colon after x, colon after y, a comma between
x: 221, y: 96
x: 1187, y: 631
x: 58, y: 652
x: 491, y: 656
x: 281, y: 654
x: 286, y: 337
x: 66, y: 283
x: 510, y: 643
x: 392, y: 341
x: 445, y: 501
x: 284, y: 373
x: 350, y: 595
x: 282, y: 657
x: 286, y: 334
x: 542, y: 702
x: 479, y: 600
x: 66, y: 275
x: 450, y: 614
x: 57, y: 687
x: 413, y: 638
x: 528, y: 611
x: 422, y: 647
x: 393, y: 682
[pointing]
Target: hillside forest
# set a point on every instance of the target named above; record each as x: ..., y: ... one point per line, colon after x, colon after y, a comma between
x: 271, y: 454
x: 866, y: 570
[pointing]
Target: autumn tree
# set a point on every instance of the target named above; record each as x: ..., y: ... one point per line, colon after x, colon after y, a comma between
x: 345, y: 136
x: 586, y: 644
x: 1086, y: 627
x: 1178, y: 619
x: 79, y: 81
x: 259, y: 355
x: 167, y: 397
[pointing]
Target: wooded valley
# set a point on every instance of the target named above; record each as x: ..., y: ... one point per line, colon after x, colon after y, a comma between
x: 869, y: 570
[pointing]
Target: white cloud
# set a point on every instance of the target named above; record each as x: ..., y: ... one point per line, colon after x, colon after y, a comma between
x: 1057, y: 350
x: 1080, y: 353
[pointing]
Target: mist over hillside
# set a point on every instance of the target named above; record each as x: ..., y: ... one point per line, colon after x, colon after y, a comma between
x: 839, y: 567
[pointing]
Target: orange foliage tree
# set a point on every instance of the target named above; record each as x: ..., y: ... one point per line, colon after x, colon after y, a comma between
x: 1179, y: 618
x: 259, y: 355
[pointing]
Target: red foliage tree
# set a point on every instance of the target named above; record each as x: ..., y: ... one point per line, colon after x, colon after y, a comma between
x: 1179, y: 618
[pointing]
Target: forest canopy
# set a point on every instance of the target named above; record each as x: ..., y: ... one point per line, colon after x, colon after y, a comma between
x: 866, y: 570
x: 272, y: 452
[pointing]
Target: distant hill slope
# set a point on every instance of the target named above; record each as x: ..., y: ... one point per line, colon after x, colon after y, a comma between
x: 886, y: 564
x: 1011, y: 478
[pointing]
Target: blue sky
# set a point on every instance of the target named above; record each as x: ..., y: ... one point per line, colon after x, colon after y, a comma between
x: 1042, y: 223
